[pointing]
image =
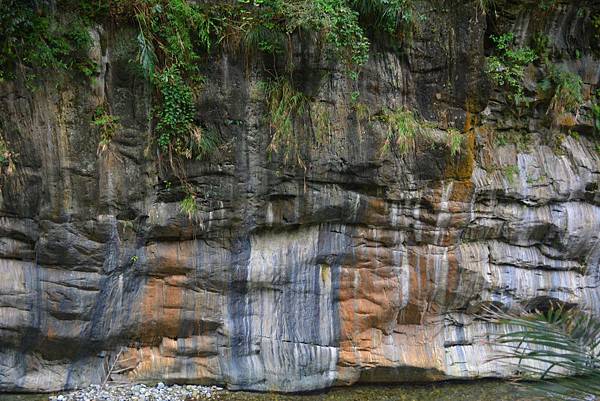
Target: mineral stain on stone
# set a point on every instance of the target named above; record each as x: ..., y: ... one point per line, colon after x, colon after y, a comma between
x: 362, y: 266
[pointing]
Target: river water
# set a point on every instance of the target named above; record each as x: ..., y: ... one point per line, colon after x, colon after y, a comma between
x: 472, y: 391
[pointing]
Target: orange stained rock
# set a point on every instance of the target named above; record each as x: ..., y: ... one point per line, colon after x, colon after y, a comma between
x: 566, y: 120
x: 369, y: 295
x: 377, y: 211
x: 172, y: 257
x: 153, y: 363
x: 417, y: 346
x: 161, y: 306
x: 419, y: 288
x: 452, y: 278
x: 460, y: 167
x: 460, y: 196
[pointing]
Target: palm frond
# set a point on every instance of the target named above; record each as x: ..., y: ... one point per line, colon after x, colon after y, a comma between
x: 559, y: 349
x: 146, y: 55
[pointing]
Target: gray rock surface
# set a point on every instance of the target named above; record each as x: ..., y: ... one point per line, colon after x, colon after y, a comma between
x: 364, y: 266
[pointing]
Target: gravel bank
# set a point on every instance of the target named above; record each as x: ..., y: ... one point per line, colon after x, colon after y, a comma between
x: 141, y: 392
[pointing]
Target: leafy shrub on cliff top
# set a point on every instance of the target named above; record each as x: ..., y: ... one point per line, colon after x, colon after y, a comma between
x: 32, y: 34
x: 339, y: 22
x: 173, y: 33
x: 386, y: 15
x: 334, y: 22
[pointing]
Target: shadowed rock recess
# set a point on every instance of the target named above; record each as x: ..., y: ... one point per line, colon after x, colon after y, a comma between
x: 356, y: 265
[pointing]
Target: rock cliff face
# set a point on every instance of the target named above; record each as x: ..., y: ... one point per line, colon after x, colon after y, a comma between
x: 357, y: 266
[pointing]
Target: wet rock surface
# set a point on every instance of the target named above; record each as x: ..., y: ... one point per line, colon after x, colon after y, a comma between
x: 363, y: 267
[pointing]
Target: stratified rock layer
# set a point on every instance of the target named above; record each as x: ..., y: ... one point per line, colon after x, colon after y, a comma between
x: 363, y: 266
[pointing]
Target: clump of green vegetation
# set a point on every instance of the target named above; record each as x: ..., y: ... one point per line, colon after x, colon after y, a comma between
x: 565, y: 88
x: 485, y: 5
x: 362, y: 111
x: 507, y: 66
x: 596, y: 25
x: 35, y: 36
x: 455, y: 141
x: 107, y: 124
x: 341, y: 28
x: 172, y: 32
x: 521, y: 139
x: 175, y: 115
x: 133, y: 260
x: 596, y: 116
x: 176, y: 129
x: 6, y: 158
x: 541, y: 46
x: 321, y: 120
x: 546, y: 5
x: 595, y: 109
x: 511, y: 172
x: 561, y: 88
x: 388, y: 16
x: 285, y: 104
x: 402, y: 128
x: 188, y: 206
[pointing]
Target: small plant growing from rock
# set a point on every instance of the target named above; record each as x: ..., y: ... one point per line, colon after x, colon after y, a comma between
x: 188, y: 205
x: 596, y: 25
x: 485, y: 6
x: 107, y: 124
x: 507, y: 67
x: 285, y: 105
x: 455, y: 141
x: 6, y: 158
x: 565, y: 88
x: 596, y: 112
x: 511, y: 172
x: 402, y: 128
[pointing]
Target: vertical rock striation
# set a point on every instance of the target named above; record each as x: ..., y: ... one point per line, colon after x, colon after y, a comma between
x: 364, y: 266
